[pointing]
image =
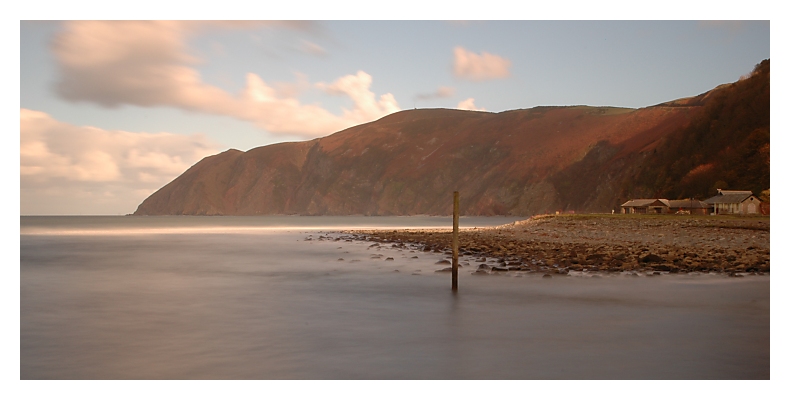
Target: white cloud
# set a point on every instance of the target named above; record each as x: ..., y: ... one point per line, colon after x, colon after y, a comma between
x: 66, y: 164
x: 146, y: 63
x: 469, y: 104
x: 357, y: 87
x: 312, y: 48
x: 479, y: 67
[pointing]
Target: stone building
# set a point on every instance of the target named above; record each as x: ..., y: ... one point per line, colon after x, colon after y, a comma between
x: 664, y: 206
x: 689, y: 206
x: 645, y: 206
x: 741, y: 202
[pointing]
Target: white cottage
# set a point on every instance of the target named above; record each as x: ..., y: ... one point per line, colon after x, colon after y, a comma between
x: 734, y: 202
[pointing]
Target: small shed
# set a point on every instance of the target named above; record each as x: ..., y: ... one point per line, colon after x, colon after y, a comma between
x: 734, y: 202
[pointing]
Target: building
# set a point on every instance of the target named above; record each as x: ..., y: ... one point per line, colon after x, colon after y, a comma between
x: 689, y: 206
x: 664, y: 206
x: 741, y: 202
x: 645, y: 206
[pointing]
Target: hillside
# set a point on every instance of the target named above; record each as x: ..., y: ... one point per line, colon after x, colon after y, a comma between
x: 726, y: 146
x: 519, y: 162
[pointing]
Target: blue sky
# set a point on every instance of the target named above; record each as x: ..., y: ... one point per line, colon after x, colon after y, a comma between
x: 111, y: 111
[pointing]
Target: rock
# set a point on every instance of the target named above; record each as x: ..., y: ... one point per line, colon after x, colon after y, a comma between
x: 389, y: 259
x: 443, y: 262
x: 547, y: 275
x: 448, y: 269
x: 495, y: 268
x: 651, y: 258
x: 340, y: 259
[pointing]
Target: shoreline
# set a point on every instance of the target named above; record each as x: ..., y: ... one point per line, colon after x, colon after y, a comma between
x: 602, y: 243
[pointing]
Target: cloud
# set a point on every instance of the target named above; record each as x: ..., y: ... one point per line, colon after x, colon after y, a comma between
x: 479, y: 67
x: 357, y: 87
x: 312, y: 48
x: 440, y: 93
x: 81, y: 163
x: 146, y: 63
x: 469, y: 104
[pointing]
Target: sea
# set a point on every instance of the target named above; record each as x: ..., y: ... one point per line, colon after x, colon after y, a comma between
x: 293, y: 298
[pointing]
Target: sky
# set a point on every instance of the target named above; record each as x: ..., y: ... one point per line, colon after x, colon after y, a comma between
x: 111, y: 111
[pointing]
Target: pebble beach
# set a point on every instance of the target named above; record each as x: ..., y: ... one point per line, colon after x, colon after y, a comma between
x: 602, y: 244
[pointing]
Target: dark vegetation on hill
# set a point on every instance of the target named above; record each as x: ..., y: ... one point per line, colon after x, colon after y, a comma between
x: 519, y: 162
x: 726, y: 146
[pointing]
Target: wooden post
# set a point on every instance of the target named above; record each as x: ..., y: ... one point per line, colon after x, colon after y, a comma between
x: 455, y: 241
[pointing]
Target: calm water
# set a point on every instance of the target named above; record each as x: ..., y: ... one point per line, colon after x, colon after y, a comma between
x: 250, y: 298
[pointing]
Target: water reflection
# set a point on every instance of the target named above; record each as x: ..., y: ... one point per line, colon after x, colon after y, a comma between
x: 273, y: 306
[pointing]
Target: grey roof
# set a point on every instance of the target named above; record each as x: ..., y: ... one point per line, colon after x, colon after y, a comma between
x: 687, y: 203
x: 729, y: 197
x: 644, y: 202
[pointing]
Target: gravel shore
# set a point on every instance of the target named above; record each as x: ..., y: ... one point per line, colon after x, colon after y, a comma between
x: 560, y: 244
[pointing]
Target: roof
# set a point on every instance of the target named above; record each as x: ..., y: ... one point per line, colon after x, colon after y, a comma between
x: 687, y: 203
x: 645, y: 203
x: 726, y: 192
x: 729, y: 197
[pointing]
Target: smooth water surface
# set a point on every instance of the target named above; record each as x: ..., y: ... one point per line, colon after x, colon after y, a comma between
x: 251, y: 298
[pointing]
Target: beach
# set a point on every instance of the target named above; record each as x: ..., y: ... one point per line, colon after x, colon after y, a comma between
x: 599, y: 244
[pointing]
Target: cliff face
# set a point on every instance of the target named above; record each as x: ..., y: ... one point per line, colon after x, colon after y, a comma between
x: 519, y: 162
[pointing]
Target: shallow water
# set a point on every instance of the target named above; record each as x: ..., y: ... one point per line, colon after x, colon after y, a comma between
x: 249, y: 298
